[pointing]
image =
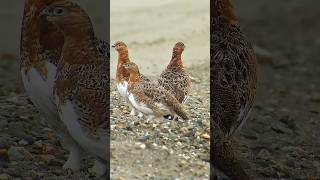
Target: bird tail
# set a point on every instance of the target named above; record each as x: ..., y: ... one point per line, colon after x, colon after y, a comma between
x: 176, y: 106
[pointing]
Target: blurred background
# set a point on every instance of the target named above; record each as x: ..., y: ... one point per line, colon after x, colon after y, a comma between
x: 282, y: 134
x: 151, y: 28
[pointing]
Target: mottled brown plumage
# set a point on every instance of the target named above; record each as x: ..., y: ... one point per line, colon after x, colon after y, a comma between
x: 40, y: 39
x: 174, y: 78
x: 233, y: 68
x: 150, y: 98
x: 122, y: 75
x: 233, y: 81
x: 40, y: 49
x: 82, y: 85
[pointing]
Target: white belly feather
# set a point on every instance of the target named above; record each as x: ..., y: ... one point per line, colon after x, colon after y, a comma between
x: 71, y: 120
x: 123, y: 88
x: 40, y: 92
x: 139, y: 106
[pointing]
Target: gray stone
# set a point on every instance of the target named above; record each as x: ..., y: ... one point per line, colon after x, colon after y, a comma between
x: 16, y: 153
x: 23, y: 142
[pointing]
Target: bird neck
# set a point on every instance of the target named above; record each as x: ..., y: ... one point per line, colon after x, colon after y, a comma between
x: 176, y: 60
x: 222, y: 9
x: 79, y: 48
x: 123, y: 57
x: 134, y: 77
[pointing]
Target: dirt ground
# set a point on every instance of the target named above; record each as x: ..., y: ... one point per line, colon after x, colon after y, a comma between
x: 279, y: 141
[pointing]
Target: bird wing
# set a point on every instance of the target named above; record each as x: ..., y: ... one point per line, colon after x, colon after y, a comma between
x: 177, y: 82
x: 85, y: 111
x: 234, y: 80
x: 159, y: 94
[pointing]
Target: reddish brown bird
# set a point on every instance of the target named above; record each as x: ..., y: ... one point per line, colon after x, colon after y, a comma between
x: 40, y: 48
x: 150, y: 98
x: 174, y: 78
x: 122, y: 76
x: 41, y: 45
x: 82, y: 86
x: 233, y: 74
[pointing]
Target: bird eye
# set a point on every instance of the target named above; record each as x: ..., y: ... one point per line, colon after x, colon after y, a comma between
x: 58, y: 11
x: 46, y: 11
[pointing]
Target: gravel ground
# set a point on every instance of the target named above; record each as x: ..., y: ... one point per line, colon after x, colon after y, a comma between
x: 281, y: 139
x: 163, y: 149
x: 30, y: 150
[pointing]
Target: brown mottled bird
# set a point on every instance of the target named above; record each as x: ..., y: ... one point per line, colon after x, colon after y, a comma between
x: 40, y: 49
x: 149, y: 98
x: 174, y: 78
x: 122, y: 75
x: 82, y: 85
x: 233, y: 72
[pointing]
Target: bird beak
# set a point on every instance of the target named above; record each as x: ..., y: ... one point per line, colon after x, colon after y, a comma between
x: 113, y: 46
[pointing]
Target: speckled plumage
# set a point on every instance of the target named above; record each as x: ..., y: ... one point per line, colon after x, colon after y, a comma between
x: 174, y: 78
x: 82, y: 85
x: 233, y: 81
x: 150, y: 98
x: 233, y: 68
x: 122, y: 75
x: 40, y: 48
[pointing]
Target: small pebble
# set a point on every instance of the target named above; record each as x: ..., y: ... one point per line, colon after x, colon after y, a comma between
x: 16, y: 153
x: 23, y: 142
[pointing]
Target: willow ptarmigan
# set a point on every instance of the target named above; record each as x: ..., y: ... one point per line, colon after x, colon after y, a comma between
x: 150, y: 98
x: 81, y: 89
x: 40, y: 48
x: 122, y: 76
x: 233, y: 71
x: 174, y: 78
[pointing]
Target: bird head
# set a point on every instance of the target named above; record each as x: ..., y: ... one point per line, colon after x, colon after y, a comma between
x: 179, y: 47
x: 66, y: 16
x: 119, y: 46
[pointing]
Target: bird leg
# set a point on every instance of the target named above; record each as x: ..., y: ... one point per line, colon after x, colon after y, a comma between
x: 76, y: 152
